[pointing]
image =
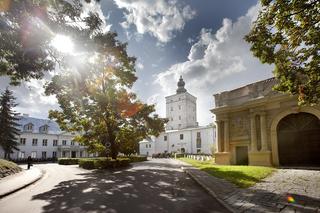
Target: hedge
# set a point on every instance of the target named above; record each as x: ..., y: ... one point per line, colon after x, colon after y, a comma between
x: 135, y: 158
x: 68, y: 161
x: 103, y: 163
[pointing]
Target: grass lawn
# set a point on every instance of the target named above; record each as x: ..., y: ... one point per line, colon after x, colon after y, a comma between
x: 242, y: 176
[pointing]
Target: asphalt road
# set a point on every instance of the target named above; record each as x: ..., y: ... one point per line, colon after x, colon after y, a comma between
x: 154, y: 186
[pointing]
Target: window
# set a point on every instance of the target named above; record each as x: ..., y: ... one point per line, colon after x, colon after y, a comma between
x: 165, y: 138
x: 43, y: 129
x: 28, y: 127
x: 63, y: 154
x: 44, y: 155
x: 22, y: 141
x: 34, y: 142
x: 44, y: 142
x: 181, y: 136
x: 179, y: 125
x: 54, y: 154
x: 34, y: 154
x: 72, y: 143
x: 64, y: 142
x: 55, y: 142
x: 179, y: 107
x: 198, y: 134
x: 171, y: 109
x: 21, y: 155
x: 81, y: 153
x: 179, y: 117
x: 171, y: 119
x: 149, y: 145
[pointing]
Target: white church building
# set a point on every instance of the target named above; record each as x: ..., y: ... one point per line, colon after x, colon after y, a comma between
x: 183, y: 134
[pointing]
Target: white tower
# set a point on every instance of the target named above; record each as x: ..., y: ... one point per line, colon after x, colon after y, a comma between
x: 181, y: 109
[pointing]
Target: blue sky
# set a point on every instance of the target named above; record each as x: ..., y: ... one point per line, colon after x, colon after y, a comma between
x: 200, y: 40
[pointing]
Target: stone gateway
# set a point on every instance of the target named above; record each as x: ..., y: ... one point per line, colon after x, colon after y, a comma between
x: 259, y: 126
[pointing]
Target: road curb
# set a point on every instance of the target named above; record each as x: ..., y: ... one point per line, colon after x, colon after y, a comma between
x: 23, y: 186
x: 211, y: 192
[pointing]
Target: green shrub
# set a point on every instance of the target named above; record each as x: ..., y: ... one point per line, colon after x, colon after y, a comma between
x: 103, y: 163
x: 68, y: 161
x: 178, y: 155
x: 86, y: 163
x: 137, y: 158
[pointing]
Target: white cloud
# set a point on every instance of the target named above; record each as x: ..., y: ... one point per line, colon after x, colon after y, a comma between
x: 30, y: 97
x: 161, y: 18
x: 217, y: 61
x: 140, y: 66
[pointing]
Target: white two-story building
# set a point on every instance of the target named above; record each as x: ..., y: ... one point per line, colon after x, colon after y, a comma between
x: 42, y: 138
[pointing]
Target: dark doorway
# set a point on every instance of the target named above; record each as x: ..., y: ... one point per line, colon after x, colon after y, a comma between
x: 299, y: 140
x: 242, y: 155
x: 183, y: 150
x: 73, y: 154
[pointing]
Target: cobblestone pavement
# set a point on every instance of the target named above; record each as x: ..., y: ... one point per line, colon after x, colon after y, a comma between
x: 270, y: 195
x: 302, y: 185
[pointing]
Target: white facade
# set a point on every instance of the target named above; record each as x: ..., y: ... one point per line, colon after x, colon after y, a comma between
x: 182, y: 133
x: 42, y: 138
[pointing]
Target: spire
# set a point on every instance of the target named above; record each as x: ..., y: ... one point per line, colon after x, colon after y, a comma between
x: 181, y: 84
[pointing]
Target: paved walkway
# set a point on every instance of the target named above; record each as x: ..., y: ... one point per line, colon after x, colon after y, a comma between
x: 18, y: 181
x: 267, y: 196
x: 158, y: 185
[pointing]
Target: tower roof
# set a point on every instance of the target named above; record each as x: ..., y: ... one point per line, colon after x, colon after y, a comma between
x: 181, y: 84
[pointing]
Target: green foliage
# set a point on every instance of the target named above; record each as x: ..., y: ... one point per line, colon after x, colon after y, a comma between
x: 68, y: 161
x: 137, y: 158
x: 286, y: 34
x: 86, y: 163
x: 242, y: 176
x: 27, y: 28
x: 95, y: 99
x: 178, y: 155
x: 103, y: 163
x: 8, y: 123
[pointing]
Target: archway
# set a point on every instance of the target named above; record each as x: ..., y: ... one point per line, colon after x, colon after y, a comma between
x: 298, y: 138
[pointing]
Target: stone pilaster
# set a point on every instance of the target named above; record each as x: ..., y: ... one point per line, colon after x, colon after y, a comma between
x: 253, y: 133
x: 226, y: 135
x: 263, y: 125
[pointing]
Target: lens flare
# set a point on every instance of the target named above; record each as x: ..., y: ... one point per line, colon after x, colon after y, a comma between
x: 62, y: 43
x: 290, y: 199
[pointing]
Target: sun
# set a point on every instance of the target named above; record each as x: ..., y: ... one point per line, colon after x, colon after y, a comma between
x: 63, y: 43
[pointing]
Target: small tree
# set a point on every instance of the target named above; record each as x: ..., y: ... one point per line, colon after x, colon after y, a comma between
x: 286, y: 34
x: 8, y: 123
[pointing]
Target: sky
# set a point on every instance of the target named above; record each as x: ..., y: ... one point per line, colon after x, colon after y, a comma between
x: 200, y: 40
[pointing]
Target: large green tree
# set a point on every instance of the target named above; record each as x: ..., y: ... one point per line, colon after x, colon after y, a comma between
x: 287, y: 34
x: 27, y: 29
x: 8, y: 124
x: 96, y: 100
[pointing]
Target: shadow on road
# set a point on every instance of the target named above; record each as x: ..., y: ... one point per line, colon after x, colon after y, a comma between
x: 137, y: 189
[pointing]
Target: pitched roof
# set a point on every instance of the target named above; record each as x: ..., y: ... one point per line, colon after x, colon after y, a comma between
x: 53, y: 127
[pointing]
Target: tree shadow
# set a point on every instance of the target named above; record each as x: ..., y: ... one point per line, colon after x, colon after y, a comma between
x: 131, y: 190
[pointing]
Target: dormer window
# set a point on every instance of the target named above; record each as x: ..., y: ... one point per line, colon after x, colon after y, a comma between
x: 28, y: 127
x: 43, y: 129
